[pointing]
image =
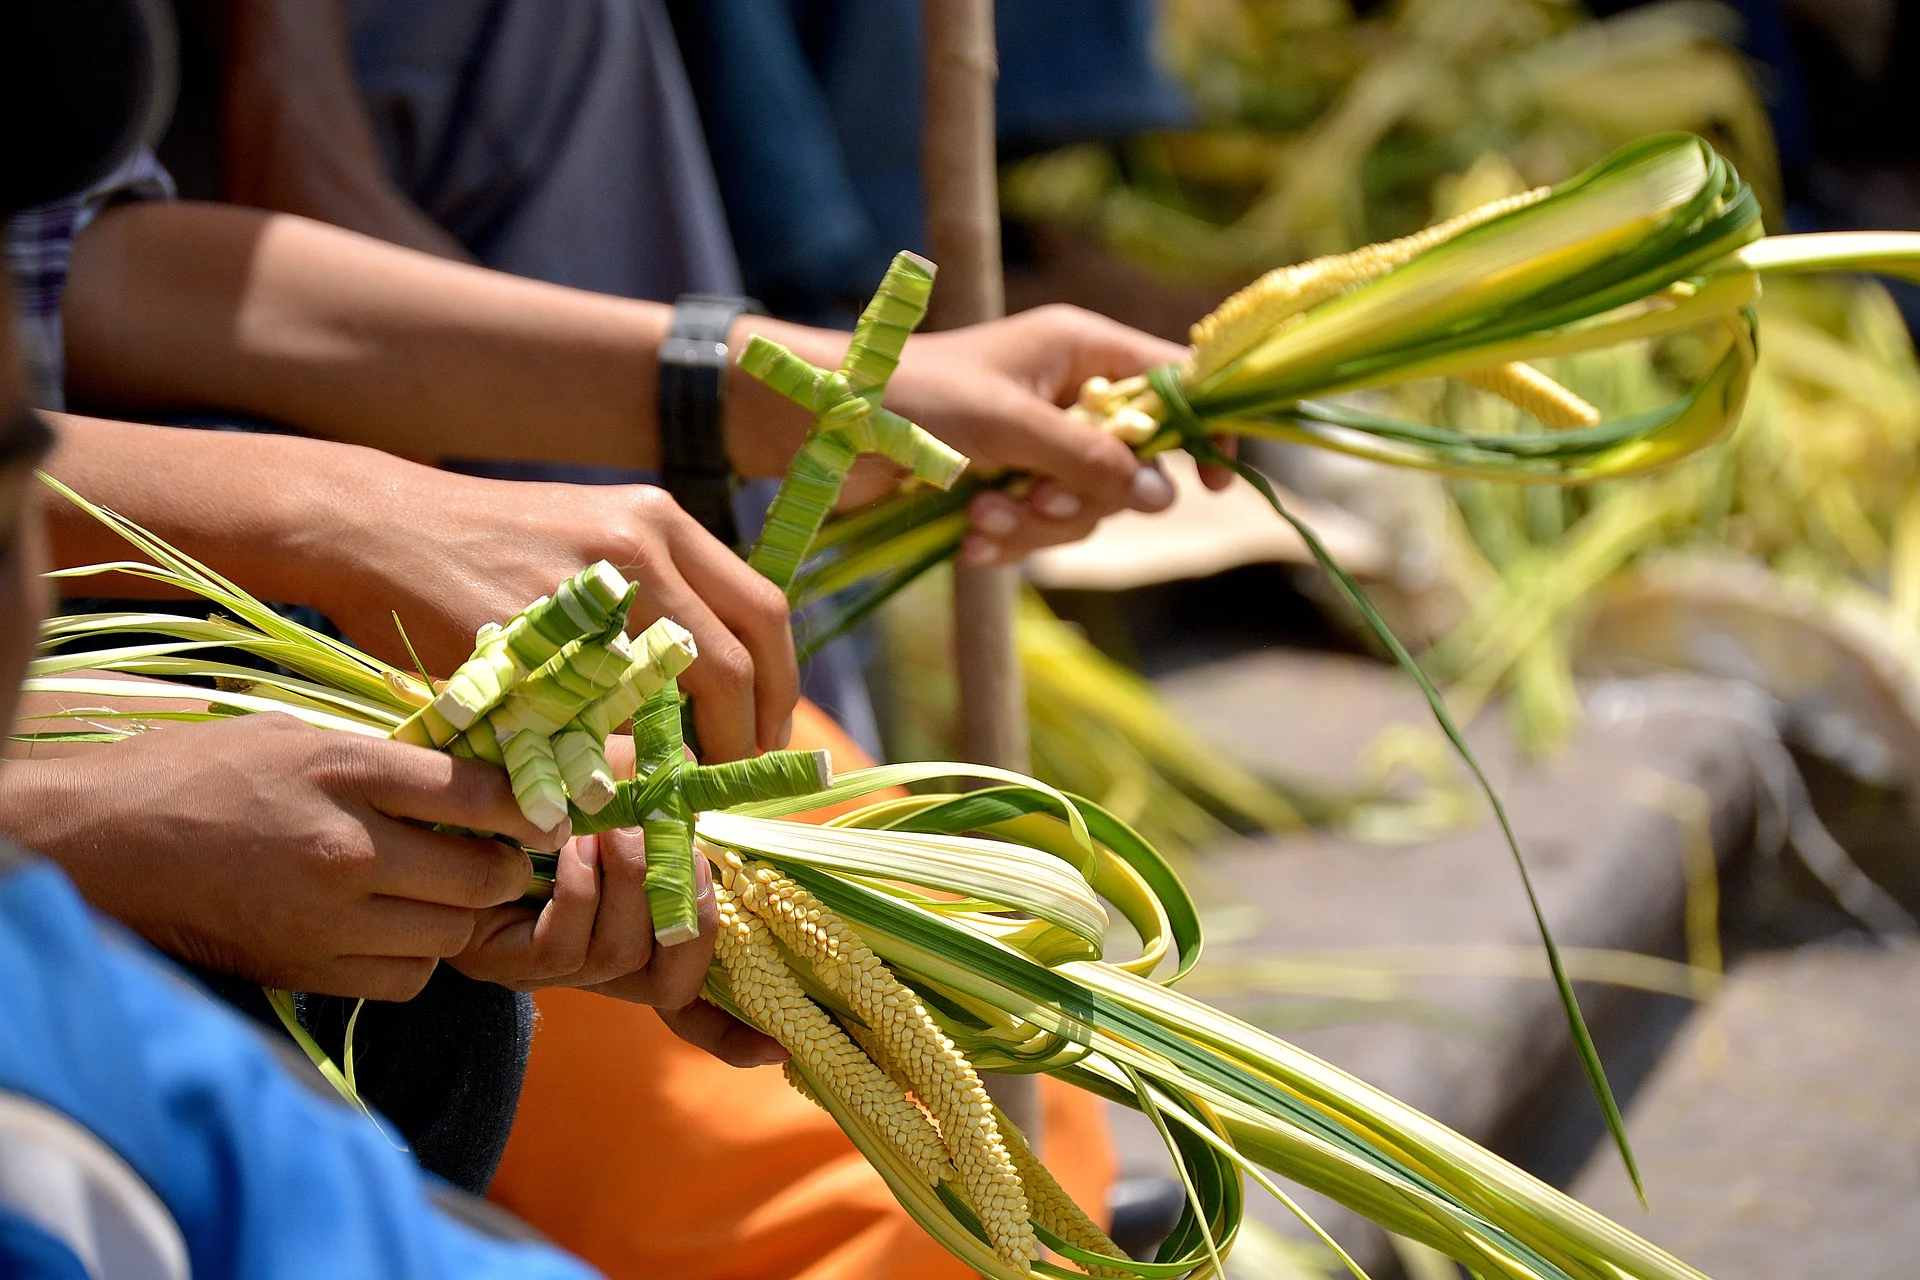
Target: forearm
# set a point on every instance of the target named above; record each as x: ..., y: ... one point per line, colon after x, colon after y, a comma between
x: 278, y: 515
x: 207, y: 306
x: 177, y: 306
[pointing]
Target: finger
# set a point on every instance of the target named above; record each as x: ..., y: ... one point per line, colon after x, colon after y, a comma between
x: 1101, y: 346
x: 674, y: 975
x: 993, y: 514
x: 497, y: 949
x: 722, y: 1035
x: 371, y: 977
x: 1053, y: 502
x: 721, y: 680
x: 402, y: 928
x: 451, y: 871
x: 678, y: 972
x: 1005, y: 531
x: 528, y: 949
x: 558, y: 943
x: 756, y: 612
x: 413, y: 783
x: 1025, y: 525
x: 620, y: 756
x: 1030, y: 434
x: 1030, y: 537
x: 1152, y: 491
x: 622, y: 940
x: 1213, y: 475
x: 872, y: 477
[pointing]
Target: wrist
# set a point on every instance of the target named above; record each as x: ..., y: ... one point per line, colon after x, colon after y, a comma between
x: 74, y: 816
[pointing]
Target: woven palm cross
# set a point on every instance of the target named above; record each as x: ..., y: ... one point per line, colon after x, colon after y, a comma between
x: 847, y: 418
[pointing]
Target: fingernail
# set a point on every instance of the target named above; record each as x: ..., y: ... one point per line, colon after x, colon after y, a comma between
x: 995, y: 520
x: 702, y: 878
x: 772, y: 1056
x: 977, y: 550
x: 1057, y: 504
x: 786, y: 732
x: 1152, y: 491
x: 552, y: 841
x: 588, y: 848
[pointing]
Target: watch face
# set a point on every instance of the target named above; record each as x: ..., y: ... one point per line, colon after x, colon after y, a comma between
x: 698, y: 353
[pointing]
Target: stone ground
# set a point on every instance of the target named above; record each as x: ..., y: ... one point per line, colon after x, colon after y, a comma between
x: 1779, y: 1138
x: 1486, y: 1050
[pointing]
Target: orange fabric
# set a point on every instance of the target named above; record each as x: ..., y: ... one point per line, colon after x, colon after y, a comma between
x: 649, y: 1158
x: 815, y: 730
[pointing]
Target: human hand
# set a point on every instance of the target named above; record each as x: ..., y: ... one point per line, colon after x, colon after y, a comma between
x: 596, y: 933
x: 996, y: 392
x: 448, y: 552
x: 290, y: 856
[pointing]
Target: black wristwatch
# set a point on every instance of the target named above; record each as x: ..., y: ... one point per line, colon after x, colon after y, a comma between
x: 693, y: 384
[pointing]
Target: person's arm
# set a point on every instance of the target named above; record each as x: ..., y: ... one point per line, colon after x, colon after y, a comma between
x: 308, y: 859
x: 294, y: 137
x: 362, y: 536
x: 290, y: 856
x: 201, y: 306
x: 227, y: 1163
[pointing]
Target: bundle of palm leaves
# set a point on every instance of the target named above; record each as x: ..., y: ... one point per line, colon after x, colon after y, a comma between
x: 1817, y: 489
x: 907, y: 946
x: 1320, y: 130
x: 1097, y: 728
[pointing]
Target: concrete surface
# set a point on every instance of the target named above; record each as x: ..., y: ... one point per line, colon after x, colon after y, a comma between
x: 1780, y: 1137
x: 1487, y: 1055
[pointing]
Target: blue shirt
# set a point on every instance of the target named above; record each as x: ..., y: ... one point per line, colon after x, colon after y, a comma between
x: 135, y: 1104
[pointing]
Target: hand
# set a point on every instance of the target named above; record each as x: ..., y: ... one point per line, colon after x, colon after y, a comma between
x: 995, y: 392
x: 288, y: 855
x: 449, y: 552
x: 597, y: 933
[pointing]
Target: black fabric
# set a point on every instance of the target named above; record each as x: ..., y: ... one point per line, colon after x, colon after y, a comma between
x: 82, y: 84
x: 445, y: 1068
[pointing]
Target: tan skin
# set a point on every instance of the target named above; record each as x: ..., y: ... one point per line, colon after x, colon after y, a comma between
x: 363, y: 536
x: 281, y: 354
x: 187, y: 305
x: 298, y: 857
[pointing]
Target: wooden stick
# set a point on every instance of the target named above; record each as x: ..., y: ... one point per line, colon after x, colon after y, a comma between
x: 958, y: 160
x: 960, y: 178
x: 963, y: 223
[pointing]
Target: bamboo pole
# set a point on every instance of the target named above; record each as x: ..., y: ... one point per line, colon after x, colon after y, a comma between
x: 961, y: 184
x: 963, y: 224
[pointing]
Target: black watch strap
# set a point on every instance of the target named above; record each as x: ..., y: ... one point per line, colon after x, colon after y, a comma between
x: 693, y: 381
